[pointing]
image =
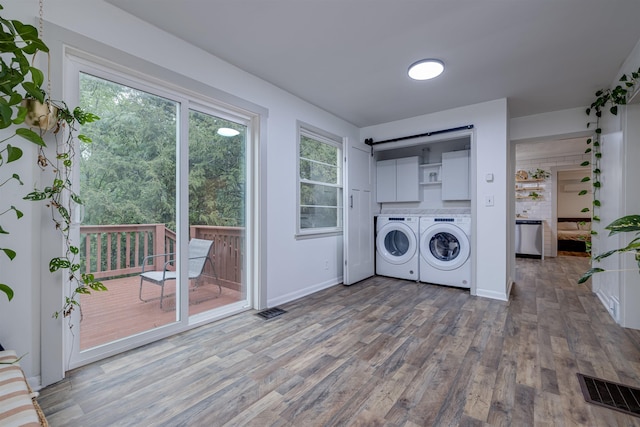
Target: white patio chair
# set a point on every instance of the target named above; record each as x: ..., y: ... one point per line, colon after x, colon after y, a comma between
x: 198, y: 257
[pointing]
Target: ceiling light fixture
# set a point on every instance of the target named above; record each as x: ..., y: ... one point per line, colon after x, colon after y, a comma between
x: 426, y: 69
x: 227, y: 132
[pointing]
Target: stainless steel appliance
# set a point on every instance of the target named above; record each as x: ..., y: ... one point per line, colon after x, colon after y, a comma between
x: 529, y: 238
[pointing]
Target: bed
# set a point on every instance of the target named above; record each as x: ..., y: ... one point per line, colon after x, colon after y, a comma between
x: 573, y: 233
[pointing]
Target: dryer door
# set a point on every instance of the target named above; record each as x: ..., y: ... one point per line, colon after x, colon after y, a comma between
x: 444, y: 246
x: 396, y: 243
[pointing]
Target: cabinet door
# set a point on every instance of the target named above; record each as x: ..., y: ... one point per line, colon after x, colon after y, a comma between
x: 455, y: 175
x: 407, y: 179
x: 386, y: 181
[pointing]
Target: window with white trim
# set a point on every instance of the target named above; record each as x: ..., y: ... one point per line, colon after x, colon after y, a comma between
x: 319, y: 182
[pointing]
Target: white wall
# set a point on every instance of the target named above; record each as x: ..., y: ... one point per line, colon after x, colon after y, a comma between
x: 293, y: 267
x: 490, y: 257
x: 570, y: 203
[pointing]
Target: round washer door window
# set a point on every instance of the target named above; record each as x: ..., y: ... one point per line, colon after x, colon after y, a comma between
x: 445, y: 246
x: 396, y: 243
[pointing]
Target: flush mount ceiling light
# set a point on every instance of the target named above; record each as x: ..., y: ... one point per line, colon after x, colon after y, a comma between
x: 426, y: 69
x: 227, y: 132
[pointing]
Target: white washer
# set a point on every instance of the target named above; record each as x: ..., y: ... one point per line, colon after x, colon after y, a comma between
x: 445, y: 248
x: 397, y: 246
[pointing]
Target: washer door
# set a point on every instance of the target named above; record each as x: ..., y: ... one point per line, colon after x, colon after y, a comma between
x: 396, y: 243
x: 444, y: 246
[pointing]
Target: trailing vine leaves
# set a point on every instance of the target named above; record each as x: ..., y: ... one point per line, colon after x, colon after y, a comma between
x: 60, y: 197
x: 608, y: 100
x: 19, y: 81
x: 626, y: 224
x: 20, y: 42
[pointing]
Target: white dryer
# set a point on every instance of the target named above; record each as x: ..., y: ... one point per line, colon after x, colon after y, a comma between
x: 445, y: 250
x: 397, y: 246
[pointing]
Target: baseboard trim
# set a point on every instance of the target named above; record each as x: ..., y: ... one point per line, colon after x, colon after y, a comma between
x: 292, y: 296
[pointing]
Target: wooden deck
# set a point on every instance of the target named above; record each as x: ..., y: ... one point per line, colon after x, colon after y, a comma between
x: 119, y: 313
x: 383, y: 352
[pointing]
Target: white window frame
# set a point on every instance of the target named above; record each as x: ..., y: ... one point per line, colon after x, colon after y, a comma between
x: 320, y: 135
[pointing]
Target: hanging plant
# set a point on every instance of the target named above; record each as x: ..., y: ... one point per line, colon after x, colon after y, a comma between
x: 60, y: 197
x: 19, y: 43
x: 24, y: 101
x: 608, y: 100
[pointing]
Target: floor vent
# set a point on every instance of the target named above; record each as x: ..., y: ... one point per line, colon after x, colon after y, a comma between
x: 610, y: 395
x: 270, y: 313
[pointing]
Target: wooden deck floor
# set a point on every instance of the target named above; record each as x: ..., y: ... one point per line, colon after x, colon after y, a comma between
x: 383, y: 352
x: 119, y: 313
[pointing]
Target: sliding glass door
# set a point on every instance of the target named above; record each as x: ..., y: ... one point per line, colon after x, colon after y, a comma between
x: 163, y: 224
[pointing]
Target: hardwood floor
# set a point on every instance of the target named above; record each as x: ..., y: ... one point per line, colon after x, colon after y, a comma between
x: 383, y: 352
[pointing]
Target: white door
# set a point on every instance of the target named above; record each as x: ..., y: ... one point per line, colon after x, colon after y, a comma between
x: 358, y: 237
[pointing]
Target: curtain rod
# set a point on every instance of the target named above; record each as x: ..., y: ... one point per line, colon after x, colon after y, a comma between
x: 369, y: 141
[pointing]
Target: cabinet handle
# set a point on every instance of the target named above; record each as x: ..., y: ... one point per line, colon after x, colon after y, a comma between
x: 351, y: 201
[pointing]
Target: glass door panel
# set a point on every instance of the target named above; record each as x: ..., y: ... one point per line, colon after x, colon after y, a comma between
x: 128, y: 187
x: 217, y: 209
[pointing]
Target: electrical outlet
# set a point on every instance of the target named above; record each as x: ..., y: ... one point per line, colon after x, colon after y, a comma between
x: 326, y: 265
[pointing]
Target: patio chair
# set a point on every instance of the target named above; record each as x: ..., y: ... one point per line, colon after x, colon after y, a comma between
x: 198, y: 257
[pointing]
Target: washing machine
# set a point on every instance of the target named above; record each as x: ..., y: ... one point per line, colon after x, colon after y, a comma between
x: 445, y: 250
x: 397, y: 246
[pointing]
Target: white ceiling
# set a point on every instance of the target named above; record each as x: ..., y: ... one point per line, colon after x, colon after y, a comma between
x: 350, y: 57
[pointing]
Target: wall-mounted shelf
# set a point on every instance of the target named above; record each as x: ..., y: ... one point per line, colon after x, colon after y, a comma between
x: 536, y: 188
x: 430, y: 174
x: 530, y: 180
x: 521, y: 197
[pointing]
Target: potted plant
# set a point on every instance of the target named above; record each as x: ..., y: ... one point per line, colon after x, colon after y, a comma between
x: 539, y: 174
x: 24, y: 102
x: 626, y: 224
x: 19, y: 43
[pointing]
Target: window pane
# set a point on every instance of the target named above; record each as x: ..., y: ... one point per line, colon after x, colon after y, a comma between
x: 320, y: 217
x: 128, y: 186
x: 318, y: 195
x: 318, y: 161
x: 217, y: 193
x: 320, y: 172
x: 217, y: 171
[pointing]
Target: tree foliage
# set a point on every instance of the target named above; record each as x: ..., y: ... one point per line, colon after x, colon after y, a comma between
x: 128, y: 174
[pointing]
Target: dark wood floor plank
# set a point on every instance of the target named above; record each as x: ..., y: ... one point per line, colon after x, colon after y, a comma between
x: 383, y: 352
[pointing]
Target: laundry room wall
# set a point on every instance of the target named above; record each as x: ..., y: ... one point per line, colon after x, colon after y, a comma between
x: 489, y: 158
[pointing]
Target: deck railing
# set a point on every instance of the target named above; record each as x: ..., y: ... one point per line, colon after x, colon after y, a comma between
x: 119, y: 250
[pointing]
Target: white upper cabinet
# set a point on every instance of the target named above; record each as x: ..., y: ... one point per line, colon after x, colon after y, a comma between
x: 397, y: 180
x: 455, y: 175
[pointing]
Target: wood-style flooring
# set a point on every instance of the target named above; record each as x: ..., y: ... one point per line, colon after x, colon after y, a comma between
x: 383, y: 352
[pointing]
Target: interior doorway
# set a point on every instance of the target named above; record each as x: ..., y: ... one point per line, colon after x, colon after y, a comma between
x: 537, y: 194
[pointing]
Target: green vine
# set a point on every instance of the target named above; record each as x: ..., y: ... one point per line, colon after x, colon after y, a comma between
x: 608, y: 100
x: 60, y: 197
x: 21, y: 85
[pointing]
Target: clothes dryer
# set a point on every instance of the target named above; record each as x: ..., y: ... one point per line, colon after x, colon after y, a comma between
x: 445, y: 250
x: 397, y: 246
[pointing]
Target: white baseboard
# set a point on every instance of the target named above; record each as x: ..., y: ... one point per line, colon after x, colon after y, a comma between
x: 272, y: 302
x: 502, y: 296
